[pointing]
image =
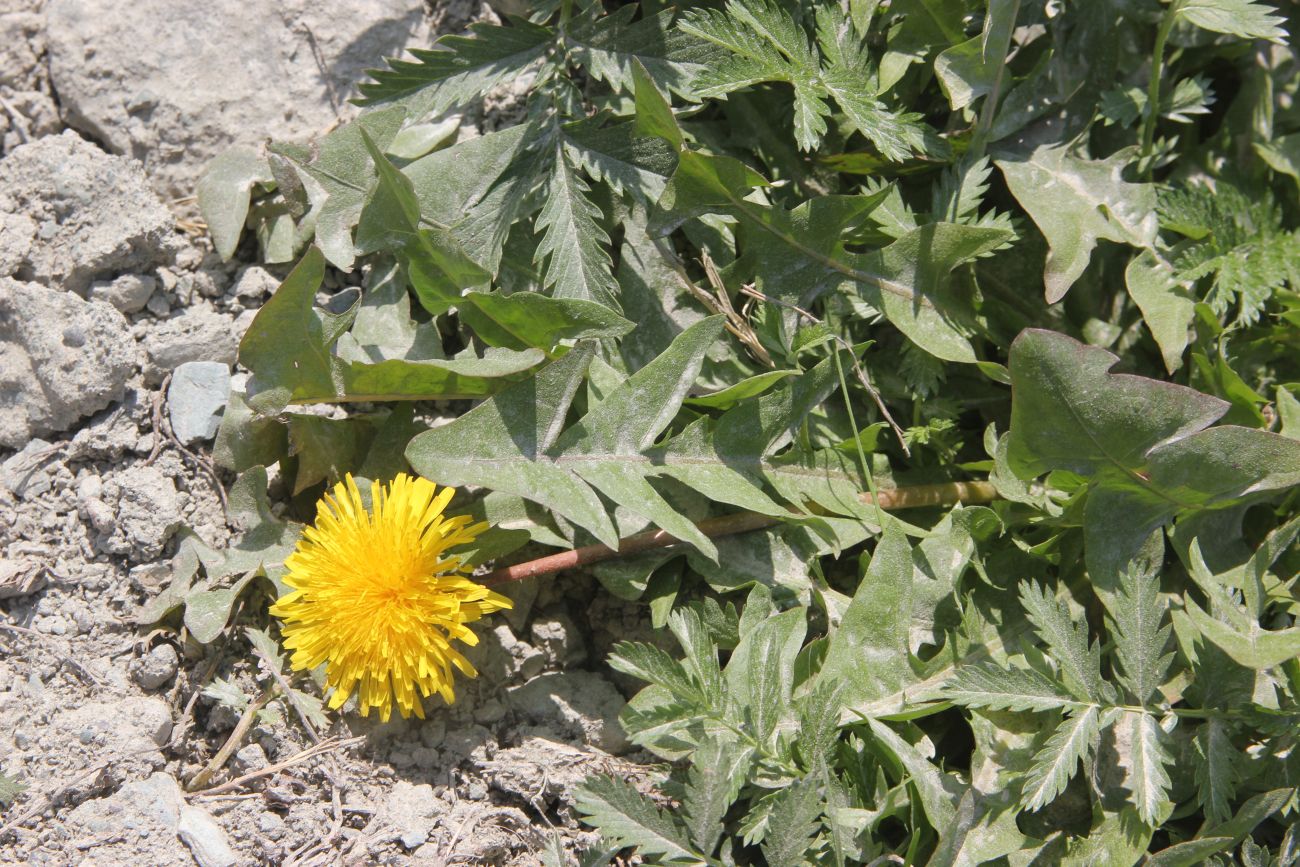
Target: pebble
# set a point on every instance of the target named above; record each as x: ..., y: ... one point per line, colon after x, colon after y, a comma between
x: 197, y: 396
x: 156, y: 668
x: 207, y: 842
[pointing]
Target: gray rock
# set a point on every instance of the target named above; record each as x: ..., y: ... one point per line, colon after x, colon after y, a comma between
x: 208, y: 844
x: 22, y: 42
x: 249, y: 758
x: 194, y: 334
x: 61, y: 359
x: 254, y: 283
x: 578, y: 704
x: 556, y: 635
x: 128, y: 293
x: 148, y: 511
x: 196, y: 397
x: 128, y: 731
x: 156, y: 668
x: 95, y: 214
x: 250, y: 70
x: 27, y: 474
x: 411, y: 810
x: 150, y: 808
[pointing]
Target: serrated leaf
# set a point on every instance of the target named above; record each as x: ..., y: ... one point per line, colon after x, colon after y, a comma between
x: 791, y: 824
x: 1058, y: 760
x: 1147, y: 756
x: 611, y: 47
x: 1216, y: 769
x: 225, y: 191
x: 1144, y: 446
x: 760, y: 673
x: 991, y: 687
x: 1137, y: 631
x: 573, y: 242
x: 1247, y: 19
x: 620, y: 155
x: 461, y: 68
x: 1079, y: 663
x: 226, y: 693
x: 717, y: 773
x: 629, y: 819
x: 701, y: 655
x: 938, y: 792
x: 1075, y: 202
x: 265, y: 646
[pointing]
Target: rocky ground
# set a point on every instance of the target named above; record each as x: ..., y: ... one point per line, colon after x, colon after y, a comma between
x: 118, y: 334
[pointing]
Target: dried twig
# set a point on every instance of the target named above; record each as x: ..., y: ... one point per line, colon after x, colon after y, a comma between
x: 738, y: 522
x: 199, y: 780
x: 44, y: 802
x: 328, y: 745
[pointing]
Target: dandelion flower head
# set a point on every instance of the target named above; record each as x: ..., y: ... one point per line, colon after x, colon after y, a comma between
x: 375, y: 595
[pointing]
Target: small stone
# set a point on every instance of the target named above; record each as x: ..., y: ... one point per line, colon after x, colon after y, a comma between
x: 148, y: 511
x: 254, y: 283
x: 207, y: 842
x: 271, y: 824
x: 558, y: 637
x: 156, y: 668
x: 194, y: 334
x: 197, y: 396
x: 26, y: 474
x: 411, y: 810
x: 158, y: 305
x: 250, y: 758
x: 490, y: 711
x: 128, y: 293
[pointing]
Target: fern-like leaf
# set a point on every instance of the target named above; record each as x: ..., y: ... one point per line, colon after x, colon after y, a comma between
x: 1080, y: 663
x: 1216, y: 770
x: 1139, y: 638
x: 10, y: 789
x: 1074, y: 739
x: 718, y: 770
x: 988, y: 686
x: 1148, y: 754
x: 629, y: 819
x: 462, y: 68
x: 572, y: 237
x: 1247, y: 19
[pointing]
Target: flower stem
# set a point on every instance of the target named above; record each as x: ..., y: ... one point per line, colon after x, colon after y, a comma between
x: 916, y: 496
x: 1153, y: 85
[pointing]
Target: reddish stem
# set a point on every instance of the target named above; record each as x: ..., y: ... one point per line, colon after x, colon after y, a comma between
x: 913, y: 497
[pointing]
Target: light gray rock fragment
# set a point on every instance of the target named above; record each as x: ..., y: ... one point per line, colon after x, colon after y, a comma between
x: 148, y: 808
x: 148, y: 511
x: 197, y: 395
x: 574, y: 704
x: 411, y: 809
x: 207, y: 842
x: 193, y: 334
x: 27, y: 474
x: 156, y: 668
x: 128, y: 293
x: 95, y: 214
x: 250, y: 70
x: 61, y: 359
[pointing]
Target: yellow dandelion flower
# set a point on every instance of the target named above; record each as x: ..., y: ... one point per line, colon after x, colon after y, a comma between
x: 374, y: 596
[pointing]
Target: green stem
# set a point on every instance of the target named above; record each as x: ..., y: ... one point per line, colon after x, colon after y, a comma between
x: 1157, y: 71
x: 857, y: 441
x: 988, y: 111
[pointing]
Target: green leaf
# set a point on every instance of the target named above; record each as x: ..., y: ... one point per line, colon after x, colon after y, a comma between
x: 207, y: 610
x: 629, y: 819
x: 760, y: 673
x: 1135, y: 627
x: 573, y: 242
x: 1079, y: 663
x: 340, y: 167
x: 611, y: 48
x: 654, y: 665
x: 1246, y: 19
x: 224, y: 193
x: 1144, y: 446
x: 991, y: 687
x: 793, y: 821
x: 620, y: 155
x: 290, y: 349
x: 968, y: 70
x: 1251, y: 814
x: 1189, y: 853
x: 1167, y: 307
x: 717, y: 773
x: 1072, y: 741
x: 1247, y: 644
x: 869, y: 651
x: 1075, y: 202
x: 460, y: 69
x: 1147, y: 756
x: 1216, y: 769
x: 326, y: 448
x: 939, y: 793
x: 527, y: 319
x: 10, y: 789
